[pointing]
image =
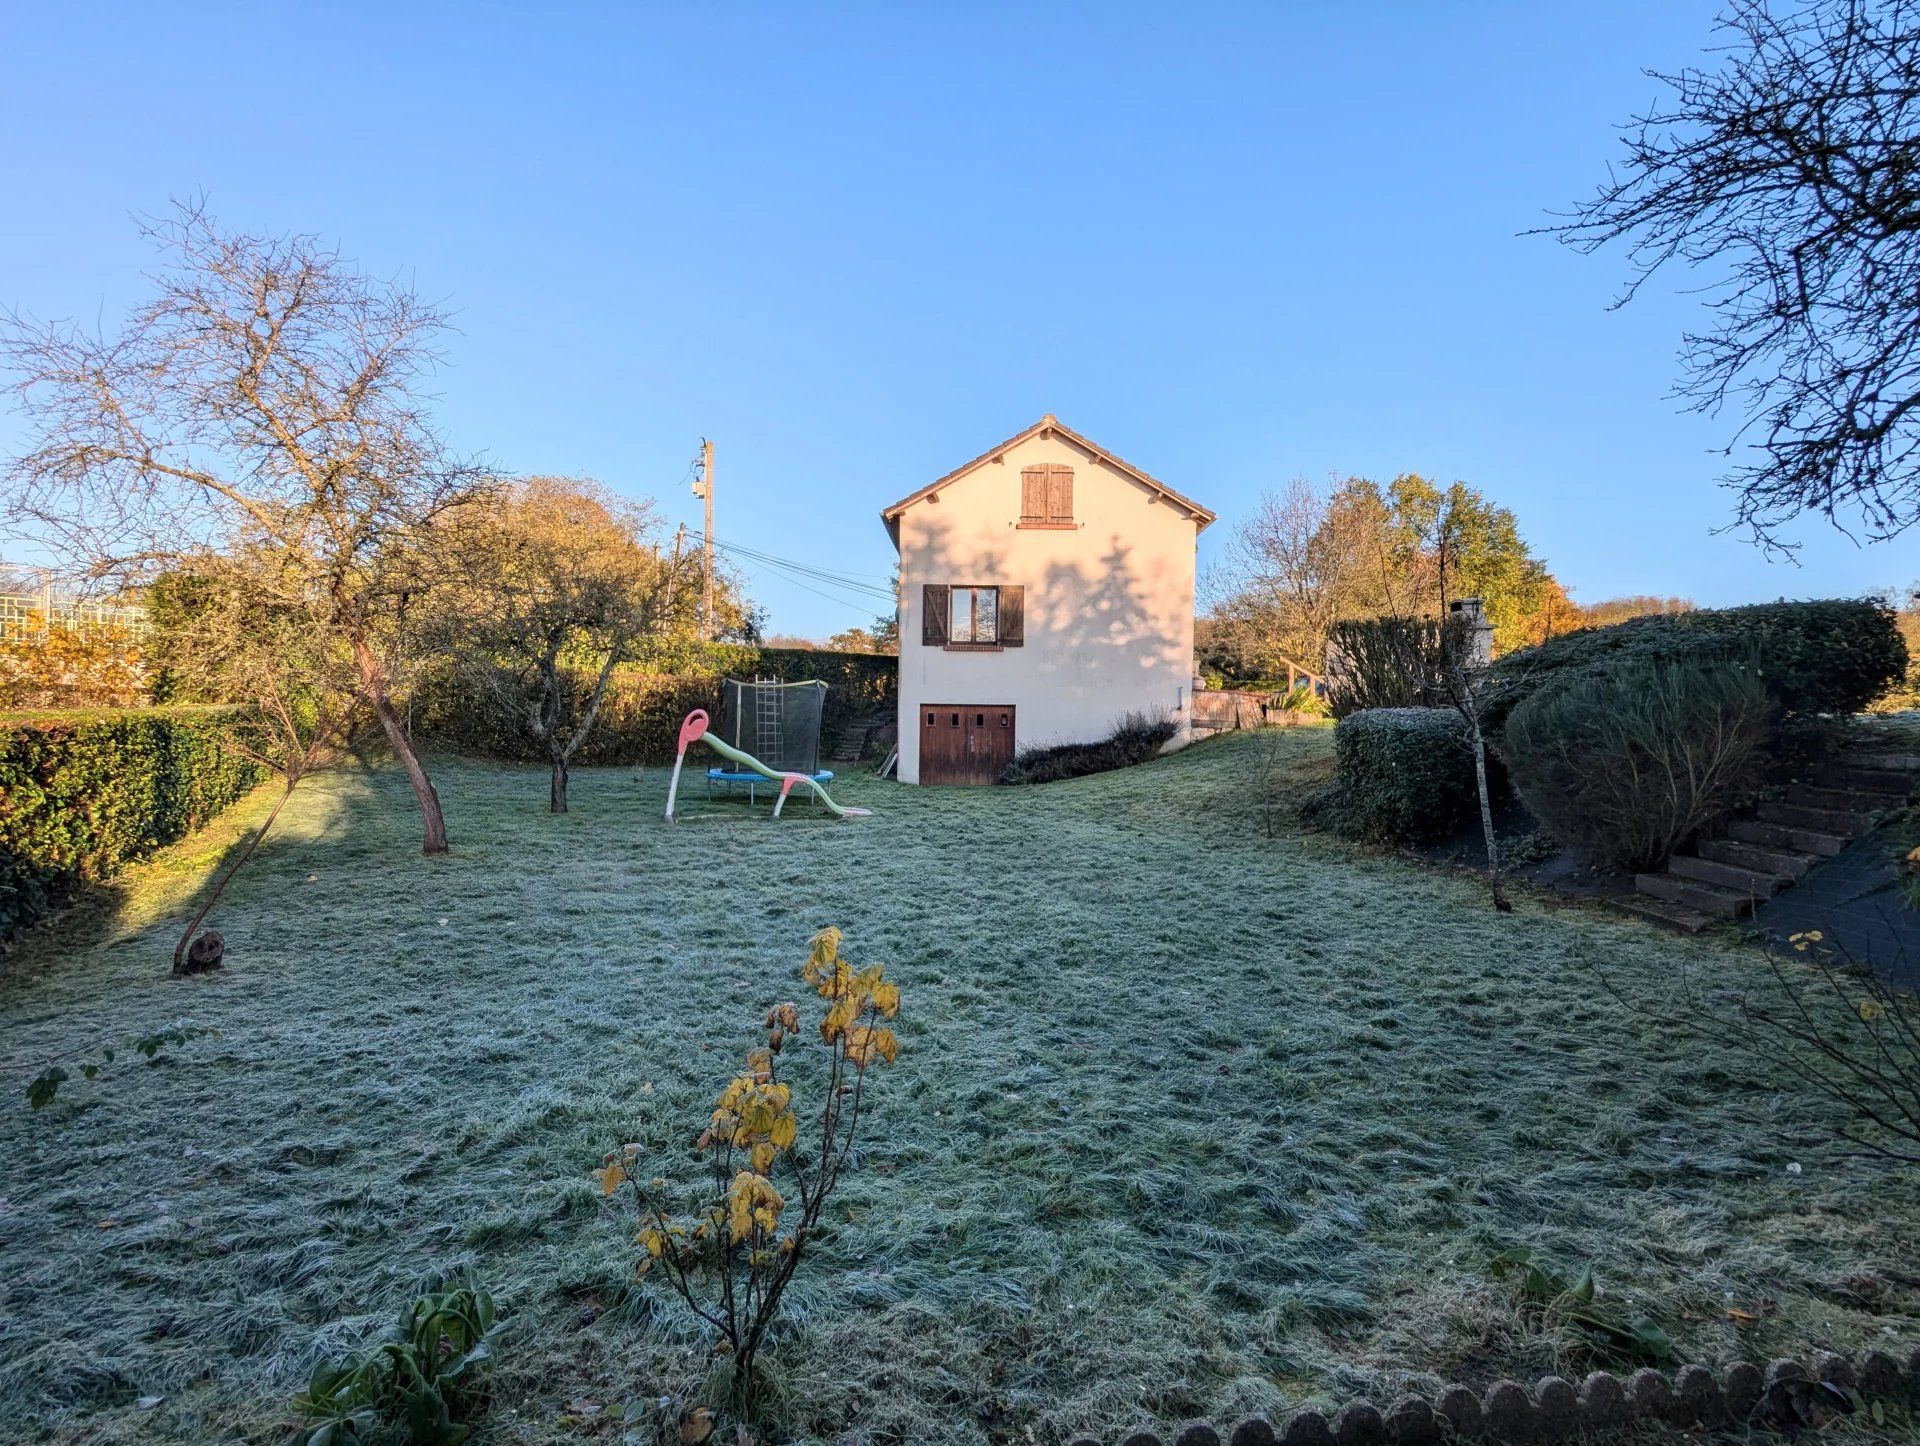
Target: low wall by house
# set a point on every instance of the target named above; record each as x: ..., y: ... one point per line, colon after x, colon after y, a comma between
x: 1785, y: 1396
x: 1218, y: 710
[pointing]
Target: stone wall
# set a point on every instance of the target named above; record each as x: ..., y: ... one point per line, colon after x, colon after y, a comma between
x: 1786, y: 1395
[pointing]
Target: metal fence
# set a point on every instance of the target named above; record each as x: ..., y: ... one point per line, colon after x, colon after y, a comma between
x: 34, y: 601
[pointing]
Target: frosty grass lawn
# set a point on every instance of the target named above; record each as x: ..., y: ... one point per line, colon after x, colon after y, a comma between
x: 1188, y: 1120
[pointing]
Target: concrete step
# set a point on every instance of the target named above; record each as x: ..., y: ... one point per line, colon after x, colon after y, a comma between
x: 1783, y: 836
x: 1674, y: 916
x: 1839, y: 821
x: 1756, y: 882
x: 1844, y: 800
x: 1691, y: 894
x: 1888, y: 760
x: 1779, y: 862
x: 1880, y: 782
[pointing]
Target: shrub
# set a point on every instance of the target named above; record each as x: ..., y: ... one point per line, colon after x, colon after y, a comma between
x: 1626, y: 762
x: 61, y: 667
x: 1405, y: 774
x: 731, y: 1256
x: 1135, y: 738
x: 1905, y: 694
x: 1386, y: 663
x: 82, y: 795
x: 1302, y: 699
x: 1834, y: 656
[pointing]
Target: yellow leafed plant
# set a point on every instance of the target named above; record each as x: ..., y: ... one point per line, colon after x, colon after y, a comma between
x: 736, y: 1240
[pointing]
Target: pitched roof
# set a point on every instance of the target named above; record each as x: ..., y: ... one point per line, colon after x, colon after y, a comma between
x: 1052, y: 424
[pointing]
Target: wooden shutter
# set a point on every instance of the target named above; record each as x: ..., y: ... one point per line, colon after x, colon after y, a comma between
x: 1059, y: 494
x: 1033, y: 494
x: 933, y: 615
x: 1013, y: 617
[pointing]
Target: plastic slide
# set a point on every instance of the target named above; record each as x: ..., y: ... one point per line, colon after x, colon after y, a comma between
x: 693, y: 729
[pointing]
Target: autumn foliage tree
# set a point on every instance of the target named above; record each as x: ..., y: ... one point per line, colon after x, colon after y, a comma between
x: 1310, y: 558
x: 549, y: 587
x: 268, y: 398
x: 729, y: 1246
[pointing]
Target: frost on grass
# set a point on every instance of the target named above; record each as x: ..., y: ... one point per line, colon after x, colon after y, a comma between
x: 1186, y: 1119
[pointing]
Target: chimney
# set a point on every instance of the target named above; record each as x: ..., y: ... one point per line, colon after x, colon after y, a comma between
x: 1469, y: 611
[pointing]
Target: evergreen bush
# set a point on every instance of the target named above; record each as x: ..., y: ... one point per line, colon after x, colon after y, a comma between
x: 1834, y: 656
x: 84, y: 794
x: 1626, y: 762
x: 1405, y: 774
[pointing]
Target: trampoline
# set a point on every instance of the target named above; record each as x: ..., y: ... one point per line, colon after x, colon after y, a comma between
x: 755, y: 781
x: 778, y: 723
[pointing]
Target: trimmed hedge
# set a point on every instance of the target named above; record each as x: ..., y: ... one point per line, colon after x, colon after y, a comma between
x: 639, y: 719
x: 1832, y: 656
x: 84, y: 794
x: 1406, y: 774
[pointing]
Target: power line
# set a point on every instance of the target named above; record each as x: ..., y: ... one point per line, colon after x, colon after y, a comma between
x: 845, y: 579
x: 792, y: 571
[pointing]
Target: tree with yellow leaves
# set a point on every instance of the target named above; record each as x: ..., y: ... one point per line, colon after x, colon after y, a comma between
x: 732, y: 1255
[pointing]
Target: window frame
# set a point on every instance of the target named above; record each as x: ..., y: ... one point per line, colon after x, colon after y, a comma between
x: 972, y: 641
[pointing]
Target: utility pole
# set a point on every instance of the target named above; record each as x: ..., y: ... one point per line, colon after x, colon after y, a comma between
x: 703, y: 487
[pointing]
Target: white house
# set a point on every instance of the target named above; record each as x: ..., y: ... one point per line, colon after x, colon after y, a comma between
x: 1046, y: 588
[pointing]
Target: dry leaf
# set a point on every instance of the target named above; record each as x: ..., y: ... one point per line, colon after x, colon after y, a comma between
x: 696, y: 1426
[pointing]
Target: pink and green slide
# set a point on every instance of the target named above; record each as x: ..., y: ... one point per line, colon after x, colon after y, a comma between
x: 693, y: 729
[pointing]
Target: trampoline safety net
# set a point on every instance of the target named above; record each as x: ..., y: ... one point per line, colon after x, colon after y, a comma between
x: 778, y: 723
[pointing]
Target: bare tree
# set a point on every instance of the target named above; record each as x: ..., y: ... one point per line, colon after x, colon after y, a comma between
x: 558, y: 581
x: 268, y: 396
x: 1463, y: 673
x: 220, y: 633
x: 1789, y: 172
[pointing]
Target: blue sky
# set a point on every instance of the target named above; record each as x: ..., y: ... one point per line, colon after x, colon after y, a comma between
x: 856, y: 245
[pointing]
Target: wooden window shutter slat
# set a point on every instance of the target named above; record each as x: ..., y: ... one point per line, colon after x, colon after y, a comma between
x: 1013, y: 617
x: 1060, y: 494
x: 1033, y: 494
x: 933, y: 615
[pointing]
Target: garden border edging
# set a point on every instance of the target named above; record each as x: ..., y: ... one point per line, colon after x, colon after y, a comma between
x: 1557, y: 1410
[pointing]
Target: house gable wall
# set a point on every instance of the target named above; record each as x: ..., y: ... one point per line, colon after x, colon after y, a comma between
x: 1108, y: 602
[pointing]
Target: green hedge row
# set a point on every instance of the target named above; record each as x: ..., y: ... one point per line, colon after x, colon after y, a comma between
x: 639, y: 719
x: 83, y: 794
x: 1833, y: 656
x: 1406, y: 774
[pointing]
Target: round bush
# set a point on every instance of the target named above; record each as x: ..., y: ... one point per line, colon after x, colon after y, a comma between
x: 1406, y: 774
x: 1624, y: 763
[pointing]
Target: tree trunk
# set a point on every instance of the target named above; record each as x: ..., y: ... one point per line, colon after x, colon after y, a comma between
x: 557, y: 792
x: 206, y: 907
x: 1486, y: 813
x: 434, y: 822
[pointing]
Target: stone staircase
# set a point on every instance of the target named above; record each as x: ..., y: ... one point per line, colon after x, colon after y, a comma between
x: 851, y: 745
x: 1767, y: 851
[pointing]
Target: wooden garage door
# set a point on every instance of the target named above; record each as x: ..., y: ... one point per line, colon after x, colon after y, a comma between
x: 965, y: 742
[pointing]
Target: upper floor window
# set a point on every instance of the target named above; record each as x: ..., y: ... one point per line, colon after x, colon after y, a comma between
x: 966, y: 615
x: 973, y: 615
x: 1046, y: 496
